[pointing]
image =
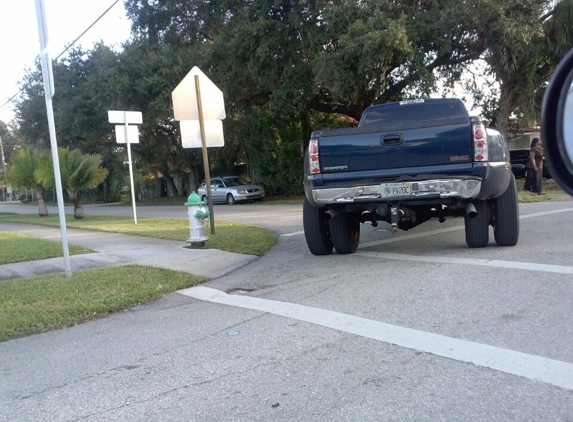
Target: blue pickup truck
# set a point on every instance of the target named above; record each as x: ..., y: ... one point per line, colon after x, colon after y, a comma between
x: 405, y: 163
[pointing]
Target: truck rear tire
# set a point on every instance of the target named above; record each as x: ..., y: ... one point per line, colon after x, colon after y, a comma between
x: 505, y: 216
x: 345, y: 232
x: 316, y: 229
x: 477, y: 228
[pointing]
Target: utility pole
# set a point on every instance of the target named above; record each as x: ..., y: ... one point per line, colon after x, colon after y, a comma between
x: 3, y: 167
x: 3, y: 162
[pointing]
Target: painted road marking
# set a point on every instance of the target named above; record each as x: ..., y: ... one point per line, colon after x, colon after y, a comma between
x: 532, y: 367
x: 292, y: 234
x: 528, y: 266
x: 450, y: 229
x: 434, y: 232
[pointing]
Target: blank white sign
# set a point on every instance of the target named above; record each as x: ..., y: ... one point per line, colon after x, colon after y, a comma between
x: 184, y: 98
x: 191, y: 133
x: 118, y: 116
x: 132, y: 134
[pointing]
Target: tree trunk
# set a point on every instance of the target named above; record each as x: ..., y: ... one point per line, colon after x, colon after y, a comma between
x: 192, y: 183
x: 79, y: 212
x: 171, y: 189
x: 158, y: 189
x: 105, y: 191
x: 178, y: 183
x: 43, y: 209
x: 506, y: 106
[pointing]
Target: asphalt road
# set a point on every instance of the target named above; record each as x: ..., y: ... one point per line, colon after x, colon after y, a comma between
x: 414, y: 326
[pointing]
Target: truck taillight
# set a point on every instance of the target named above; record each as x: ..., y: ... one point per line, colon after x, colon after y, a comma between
x: 313, y: 163
x: 480, y: 142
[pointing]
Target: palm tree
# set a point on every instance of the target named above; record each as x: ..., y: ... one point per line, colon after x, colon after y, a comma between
x: 23, y: 166
x: 78, y: 171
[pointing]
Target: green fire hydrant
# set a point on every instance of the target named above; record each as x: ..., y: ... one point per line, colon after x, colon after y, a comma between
x: 197, y: 213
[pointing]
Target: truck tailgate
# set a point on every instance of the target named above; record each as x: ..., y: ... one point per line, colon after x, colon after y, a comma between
x: 420, y: 144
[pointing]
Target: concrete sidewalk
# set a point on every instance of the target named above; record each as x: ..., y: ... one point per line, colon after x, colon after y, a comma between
x: 119, y: 249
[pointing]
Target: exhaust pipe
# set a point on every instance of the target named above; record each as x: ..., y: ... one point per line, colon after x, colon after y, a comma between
x: 471, y: 211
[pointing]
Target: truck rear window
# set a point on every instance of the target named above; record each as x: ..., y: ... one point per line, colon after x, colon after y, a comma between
x: 413, y: 111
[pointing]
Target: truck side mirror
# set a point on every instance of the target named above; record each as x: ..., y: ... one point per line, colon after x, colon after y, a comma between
x: 557, y: 123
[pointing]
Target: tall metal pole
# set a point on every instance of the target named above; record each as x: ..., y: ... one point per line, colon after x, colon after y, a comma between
x: 4, y: 167
x: 48, y: 93
x: 205, y: 155
x: 130, y: 167
x: 3, y: 162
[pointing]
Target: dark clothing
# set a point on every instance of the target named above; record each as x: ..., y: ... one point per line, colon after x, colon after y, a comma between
x: 534, y: 172
x: 530, y: 180
x: 536, y: 156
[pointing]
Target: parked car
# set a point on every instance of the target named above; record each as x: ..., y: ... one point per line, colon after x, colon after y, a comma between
x: 519, y: 159
x: 231, y: 189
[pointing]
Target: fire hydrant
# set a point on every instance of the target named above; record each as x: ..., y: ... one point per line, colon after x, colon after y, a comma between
x: 197, y: 213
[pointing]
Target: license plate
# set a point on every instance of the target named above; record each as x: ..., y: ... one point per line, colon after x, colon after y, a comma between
x: 395, y: 189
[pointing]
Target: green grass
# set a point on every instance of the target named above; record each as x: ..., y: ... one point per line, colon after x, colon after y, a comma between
x: 550, y: 188
x: 230, y: 237
x: 16, y: 247
x: 268, y: 200
x: 39, y: 304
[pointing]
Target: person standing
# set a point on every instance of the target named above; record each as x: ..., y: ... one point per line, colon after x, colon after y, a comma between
x: 534, y: 176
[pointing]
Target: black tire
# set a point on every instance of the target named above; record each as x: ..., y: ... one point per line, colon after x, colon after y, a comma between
x: 477, y: 228
x: 505, y: 216
x: 231, y: 199
x: 205, y: 200
x: 316, y: 229
x: 345, y: 232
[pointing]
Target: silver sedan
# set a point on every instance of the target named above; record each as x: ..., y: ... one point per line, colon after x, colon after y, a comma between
x: 231, y: 189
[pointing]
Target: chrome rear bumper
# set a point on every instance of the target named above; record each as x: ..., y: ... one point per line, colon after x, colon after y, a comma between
x: 441, y: 188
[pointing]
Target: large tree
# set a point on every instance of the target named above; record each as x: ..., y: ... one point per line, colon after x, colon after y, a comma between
x: 521, y: 52
x: 285, y: 67
x: 87, y: 85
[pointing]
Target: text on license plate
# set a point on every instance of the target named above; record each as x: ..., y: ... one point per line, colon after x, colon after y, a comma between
x: 395, y: 189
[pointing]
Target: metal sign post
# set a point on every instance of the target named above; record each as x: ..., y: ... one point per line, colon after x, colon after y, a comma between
x: 130, y: 169
x: 49, y: 93
x: 127, y: 136
x: 205, y: 155
x: 207, y: 108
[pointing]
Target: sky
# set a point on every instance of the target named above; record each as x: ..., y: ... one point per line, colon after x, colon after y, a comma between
x: 66, y: 20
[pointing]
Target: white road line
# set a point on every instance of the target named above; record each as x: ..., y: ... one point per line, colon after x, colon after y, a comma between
x: 540, y: 214
x: 558, y: 269
x: 533, y: 367
x: 450, y: 229
x: 292, y: 234
x: 433, y: 232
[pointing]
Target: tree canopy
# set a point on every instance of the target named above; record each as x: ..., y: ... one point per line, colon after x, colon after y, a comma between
x: 287, y: 67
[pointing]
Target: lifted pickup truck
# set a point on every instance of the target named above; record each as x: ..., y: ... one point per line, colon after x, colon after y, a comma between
x: 405, y: 163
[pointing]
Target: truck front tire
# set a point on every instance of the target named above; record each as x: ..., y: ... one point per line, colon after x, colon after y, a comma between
x: 345, y: 232
x: 505, y: 216
x: 477, y: 228
x: 316, y: 229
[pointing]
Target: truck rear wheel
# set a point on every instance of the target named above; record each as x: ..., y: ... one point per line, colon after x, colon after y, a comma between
x: 505, y: 213
x: 345, y: 232
x: 316, y: 229
x: 477, y: 228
